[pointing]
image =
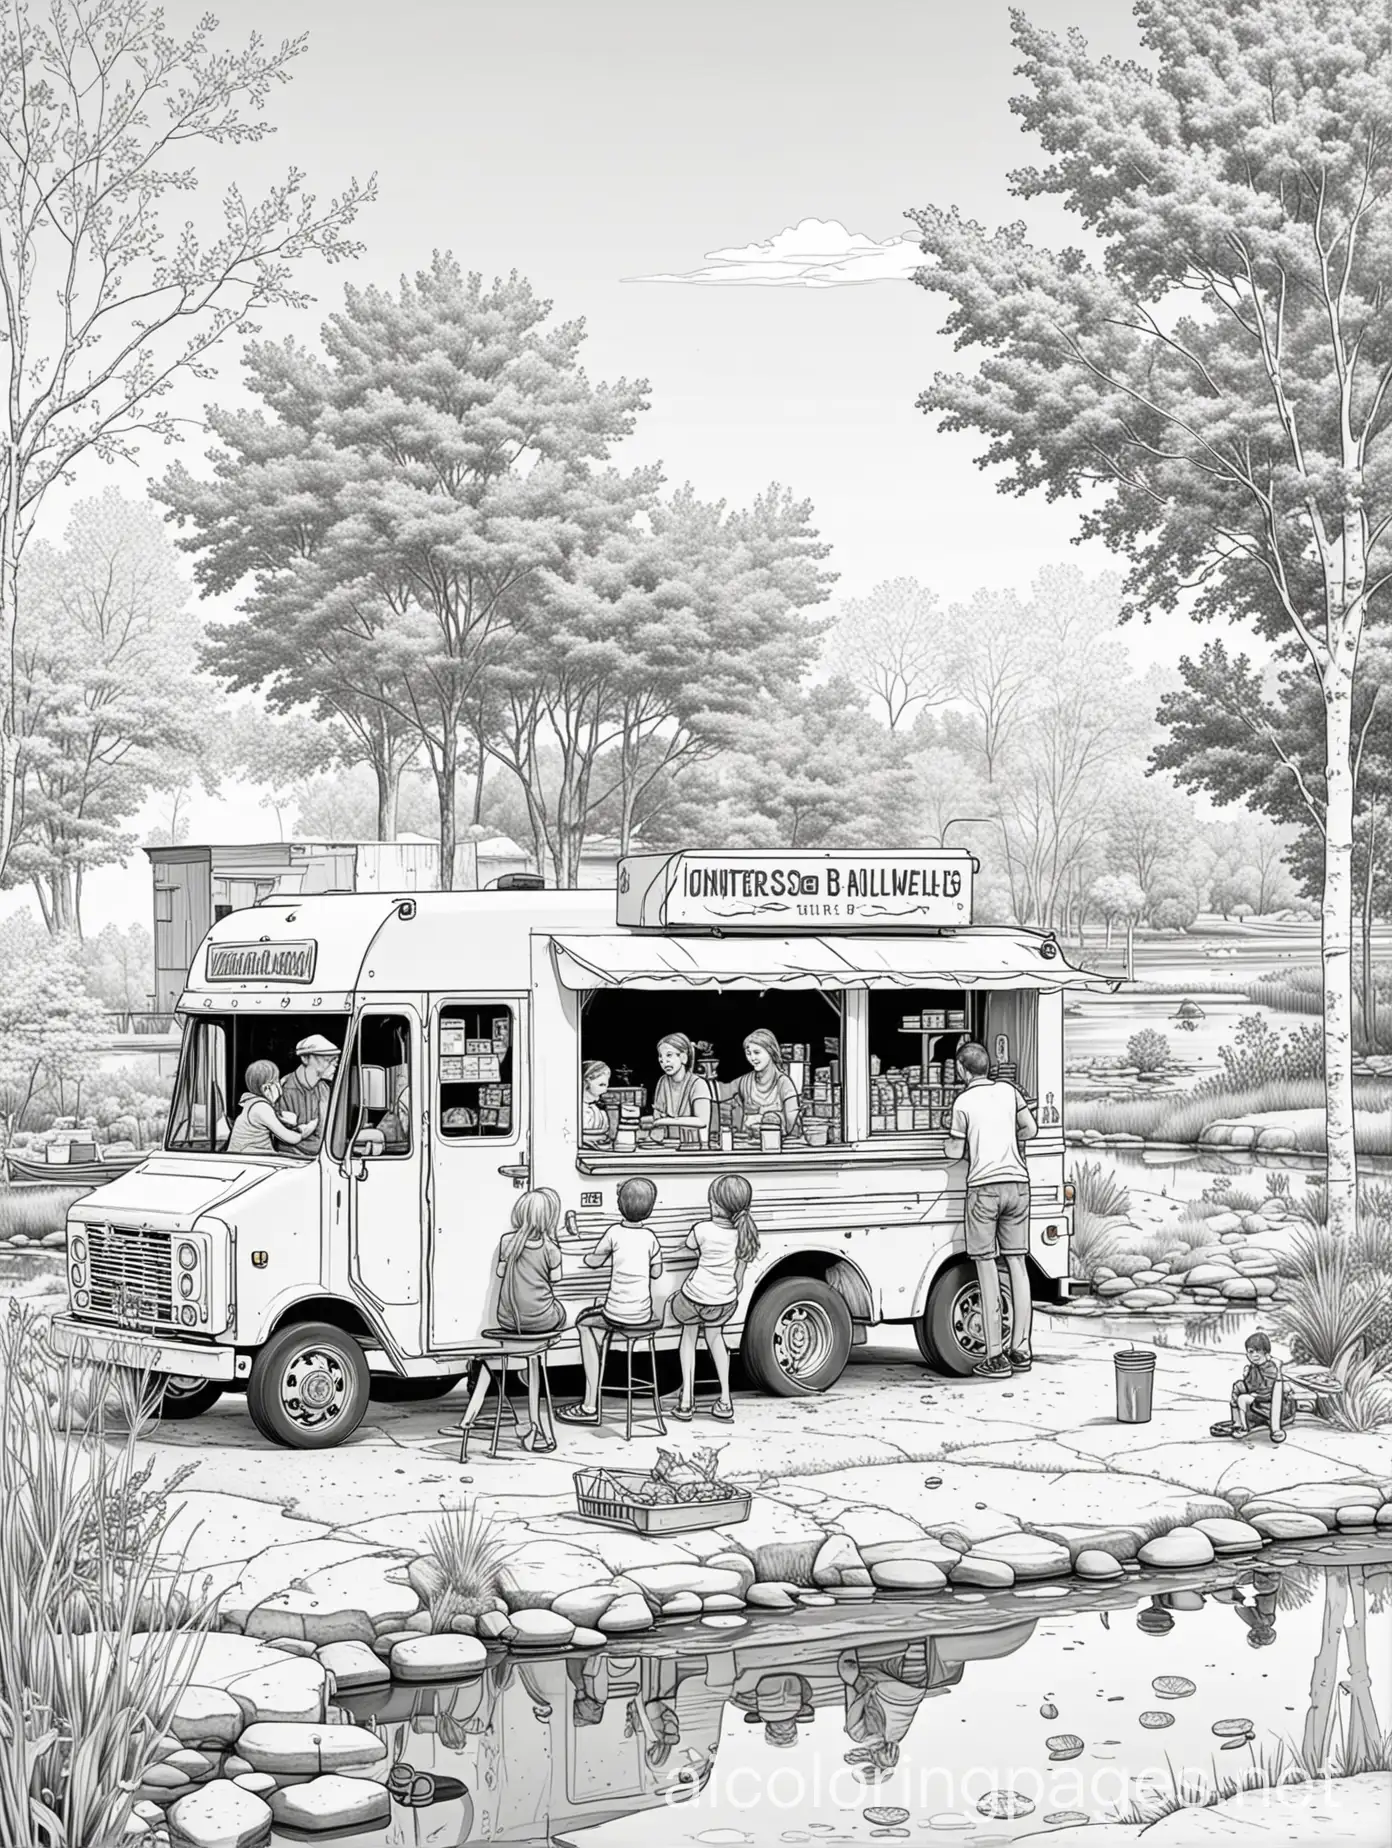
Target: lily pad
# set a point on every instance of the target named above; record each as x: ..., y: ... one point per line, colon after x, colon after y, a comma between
x: 885, y: 1815
x: 1173, y: 1687
x: 1064, y: 1742
x: 1048, y: 1711
x: 1232, y: 1729
x: 1155, y: 1721
x: 1057, y: 1818
x: 1004, y: 1805
x: 1238, y: 1745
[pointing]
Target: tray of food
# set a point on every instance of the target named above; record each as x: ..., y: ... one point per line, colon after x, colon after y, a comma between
x: 675, y: 1496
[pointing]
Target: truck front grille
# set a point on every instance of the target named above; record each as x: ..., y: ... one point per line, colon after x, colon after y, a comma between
x: 131, y: 1275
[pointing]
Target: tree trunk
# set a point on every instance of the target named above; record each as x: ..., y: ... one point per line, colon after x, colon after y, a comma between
x: 388, y: 775
x: 1361, y: 1746
x: 1108, y: 922
x: 1336, y: 948
x: 77, y: 900
x: 1369, y: 990
x: 1324, y: 1679
x: 1130, y: 949
x: 446, y: 776
x: 476, y: 815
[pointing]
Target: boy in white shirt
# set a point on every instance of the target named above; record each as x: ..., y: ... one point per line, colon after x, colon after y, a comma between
x: 635, y: 1261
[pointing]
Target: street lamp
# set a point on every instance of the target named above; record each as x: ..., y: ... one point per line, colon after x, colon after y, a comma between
x: 963, y: 820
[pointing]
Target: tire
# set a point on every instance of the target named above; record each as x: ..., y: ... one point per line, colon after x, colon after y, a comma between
x: 392, y: 1389
x: 949, y: 1332
x: 797, y: 1338
x: 309, y: 1387
x: 179, y: 1395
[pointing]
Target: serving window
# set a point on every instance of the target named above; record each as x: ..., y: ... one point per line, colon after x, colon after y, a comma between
x: 793, y: 1097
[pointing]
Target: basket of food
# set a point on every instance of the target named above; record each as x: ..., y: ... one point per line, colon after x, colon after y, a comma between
x: 675, y: 1496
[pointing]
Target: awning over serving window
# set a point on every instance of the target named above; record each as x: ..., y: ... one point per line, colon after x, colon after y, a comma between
x: 813, y: 962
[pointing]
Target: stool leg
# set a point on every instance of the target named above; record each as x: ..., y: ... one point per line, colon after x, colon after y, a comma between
x: 498, y: 1408
x: 656, y: 1395
x: 628, y: 1428
x: 604, y: 1340
x: 550, y: 1431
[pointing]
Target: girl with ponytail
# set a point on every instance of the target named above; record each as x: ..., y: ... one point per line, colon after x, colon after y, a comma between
x: 724, y: 1244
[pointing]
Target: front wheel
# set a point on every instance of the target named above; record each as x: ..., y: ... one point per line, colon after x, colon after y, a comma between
x: 797, y: 1338
x: 309, y: 1387
x: 181, y: 1395
x: 951, y: 1332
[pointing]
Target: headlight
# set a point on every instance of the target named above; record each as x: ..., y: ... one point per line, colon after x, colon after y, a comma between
x: 186, y: 1285
x: 80, y: 1300
x: 77, y: 1274
x: 77, y: 1249
x: 188, y: 1315
x: 188, y: 1257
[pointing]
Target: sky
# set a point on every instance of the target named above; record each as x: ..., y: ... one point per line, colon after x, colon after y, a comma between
x: 588, y: 143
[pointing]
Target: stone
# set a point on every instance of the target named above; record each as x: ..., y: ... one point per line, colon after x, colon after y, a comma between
x: 683, y: 1604
x: 1216, y: 1275
x: 837, y: 1553
x: 853, y: 1577
x: 1321, y: 1498
x: 1182, y: 1546
x: 1223, y: 1221
x: 438, y: 1658
x: 260, y: 1783
x: 931, y: 1551
x: 463, y: 1623
x: 732, y: 1560
x: 353, y: 1665
x: 206, y: 1716
x: 1103, y: 1274
x: 331, y: 1803
x: 1239, y: 1290
x: 719, y: 1601
x: 1264, y: 1288
x: 166, y: 1779
x: 540, y: 1630
x: 291, y: 1691
x: 1384, y: 1515
x: 293, y: 1563
x: 1113, y: 1286
x: 292, y: 1645
x: 772, y: 1597
x: 352, y: 1602
x: 781, y: 1542
x: 195, y: 1765
x: 426, y: 1577
x: 991, y: 1574
x: 1092, y: 1563
x: 587, y: 1639
x: 585, y: 1605
x: 1357, y: 1517
x: 1288, y: 1524
x: 220, y: 1816
x: 384, y: 1645
x: 1144, y: 1277
x: 235, y: 1766
x: 907, y: 1575
x: 537, y: 1572
x: 662, y: 1582
x: 1028, y: 1555
x: 1147, y: 1299
x: 300, y: 1751
x: 1229, y: 1536
x: 493, y: 1626
x: 628, y: 1613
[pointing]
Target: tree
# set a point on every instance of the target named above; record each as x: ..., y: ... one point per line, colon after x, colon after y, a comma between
x: 993, y: 656
x: 110, y: 706
x: 395, y: 517
x: 1118, y: 896
x: 118, y: 967
x: 1217, y: 385
x: 891, y: 645
x: 50, y: 1025
x: 1173, y: 910
x: 102, y: 310
x: 1148, y: 825
x: 279, y: 754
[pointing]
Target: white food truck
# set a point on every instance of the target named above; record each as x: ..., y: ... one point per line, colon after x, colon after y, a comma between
x: 466, y: 1021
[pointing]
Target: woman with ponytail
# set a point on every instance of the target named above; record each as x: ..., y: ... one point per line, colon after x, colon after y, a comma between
x: 724, y: 1245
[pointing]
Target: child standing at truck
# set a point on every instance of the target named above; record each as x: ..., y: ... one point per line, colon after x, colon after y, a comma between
x: 724, y: 1245
x: 257, y: 1127
x: 635, y: 1262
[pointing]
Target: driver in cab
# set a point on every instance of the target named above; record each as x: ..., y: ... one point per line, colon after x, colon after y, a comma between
x: 304, y: 1095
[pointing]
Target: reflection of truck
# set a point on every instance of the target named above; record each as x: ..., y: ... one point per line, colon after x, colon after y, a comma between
x: 465, y: 1019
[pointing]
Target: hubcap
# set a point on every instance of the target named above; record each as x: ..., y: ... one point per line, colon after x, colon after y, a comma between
x: 803, y: 1340
x: 314, y: 1387
x: 181, y: 1385
x: 969, y: 1324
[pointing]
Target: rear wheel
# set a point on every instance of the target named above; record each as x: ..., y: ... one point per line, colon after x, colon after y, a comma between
x: 951, y: 1332
x: 797, y: 1337
x: 309, y: 1387
x: 392, y: 1389
x: 182, y: 1395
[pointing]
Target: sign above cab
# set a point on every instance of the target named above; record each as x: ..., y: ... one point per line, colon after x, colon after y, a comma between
x: 796, y: 892
x: 290, y: 960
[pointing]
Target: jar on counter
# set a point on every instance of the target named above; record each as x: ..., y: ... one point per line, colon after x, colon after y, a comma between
x: 771, y: 1133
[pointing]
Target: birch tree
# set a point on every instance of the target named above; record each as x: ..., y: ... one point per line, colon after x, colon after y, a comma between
x: 107, y: 301
x: 1212, y: 382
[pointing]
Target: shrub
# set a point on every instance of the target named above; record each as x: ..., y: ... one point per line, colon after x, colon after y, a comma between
x: 1259, y: 1055
x: 1339, y: 1316
x: 1148, y: 1050
x: 468, y: 1551
x: 1099, y: 1191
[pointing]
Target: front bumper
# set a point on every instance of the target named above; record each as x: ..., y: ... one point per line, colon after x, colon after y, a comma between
x: 128, y: 1347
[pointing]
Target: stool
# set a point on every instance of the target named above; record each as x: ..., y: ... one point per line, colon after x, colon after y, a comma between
x: 631, y: 1334
x: 520, y: 1348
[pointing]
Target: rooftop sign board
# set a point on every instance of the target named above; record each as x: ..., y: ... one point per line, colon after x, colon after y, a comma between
x: 791, y: 892
x: 261, y: 962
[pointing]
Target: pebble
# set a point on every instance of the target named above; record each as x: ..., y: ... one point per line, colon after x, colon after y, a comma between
x: 438, y: 1658
x: 1182, y: 1546
x: 1092, y: 1563
x: 815, y: 1600
x: 1048, y: 1711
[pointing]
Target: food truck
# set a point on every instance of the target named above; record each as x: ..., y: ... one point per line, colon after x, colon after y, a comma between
x: 503, y: 1040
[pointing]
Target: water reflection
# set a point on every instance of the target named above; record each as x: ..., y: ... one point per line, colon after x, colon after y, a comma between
x: 922, y: 1713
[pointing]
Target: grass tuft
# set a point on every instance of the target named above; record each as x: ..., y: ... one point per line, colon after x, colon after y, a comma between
x: 468, y: 1550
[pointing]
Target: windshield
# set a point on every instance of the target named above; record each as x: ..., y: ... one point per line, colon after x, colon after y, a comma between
x: 255, y: 1082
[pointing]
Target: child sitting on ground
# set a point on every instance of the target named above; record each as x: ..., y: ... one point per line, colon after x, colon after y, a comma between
x: 258, y: 1127
x: 1258, y: 1392
x: 635, y: 1261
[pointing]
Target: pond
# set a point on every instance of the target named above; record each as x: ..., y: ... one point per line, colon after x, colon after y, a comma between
x: 976, y: 1717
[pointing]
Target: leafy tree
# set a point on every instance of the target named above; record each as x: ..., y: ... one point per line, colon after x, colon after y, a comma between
x: 118, y: 967
x: 891, y: 645
x: 1173, y: 910
x: 280, y: 754
x: 394, y: 516
x: 1216, y: 384
x: 993, y: 656
x: 1148, y: 826
x: 104, y: 304
x: 111, y: 707
x: 50, y: 1025
x: 1117, y: 896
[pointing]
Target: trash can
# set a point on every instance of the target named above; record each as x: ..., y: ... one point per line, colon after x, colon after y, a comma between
x: 1135, y: 1383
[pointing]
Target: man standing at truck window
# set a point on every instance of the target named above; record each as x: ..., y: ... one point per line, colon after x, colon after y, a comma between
x: 305, y: 1093
x: 989, y: 1121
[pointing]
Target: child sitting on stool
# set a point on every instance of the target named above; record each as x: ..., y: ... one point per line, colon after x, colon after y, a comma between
x: 635, y: 1262
x: 1259, y: 1391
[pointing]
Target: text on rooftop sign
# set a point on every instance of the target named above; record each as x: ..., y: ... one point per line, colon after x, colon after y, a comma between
x: 783, y: 891
x: 262, y: 962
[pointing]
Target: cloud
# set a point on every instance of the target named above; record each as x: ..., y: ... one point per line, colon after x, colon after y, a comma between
x: 817, y: 253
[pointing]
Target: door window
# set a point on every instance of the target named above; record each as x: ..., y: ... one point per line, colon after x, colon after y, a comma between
x: 375, y: 1103
x: 474, y: 1069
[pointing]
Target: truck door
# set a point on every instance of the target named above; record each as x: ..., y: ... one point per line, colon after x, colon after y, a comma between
x: 376, y: 1138
x: 479, y: 1126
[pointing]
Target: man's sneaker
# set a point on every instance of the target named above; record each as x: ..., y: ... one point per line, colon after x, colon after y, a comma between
x: 996, y: 1368
x: 1020, y: 1362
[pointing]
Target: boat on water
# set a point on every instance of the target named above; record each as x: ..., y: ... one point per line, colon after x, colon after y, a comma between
x: 29, y: 1171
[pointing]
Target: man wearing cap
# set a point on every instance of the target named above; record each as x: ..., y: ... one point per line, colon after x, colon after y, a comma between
x: 304, y: 1095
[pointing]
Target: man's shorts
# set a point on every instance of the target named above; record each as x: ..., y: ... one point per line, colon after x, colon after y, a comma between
x: 704, y: 1315
x: 998, y: 1217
